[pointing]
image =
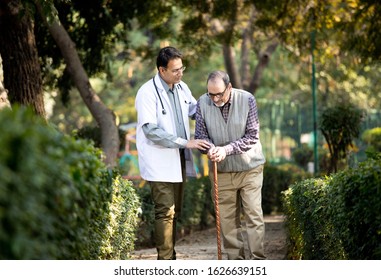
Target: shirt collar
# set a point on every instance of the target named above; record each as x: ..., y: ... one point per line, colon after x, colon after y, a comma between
x: 230, y: 97
x: 166, y: 87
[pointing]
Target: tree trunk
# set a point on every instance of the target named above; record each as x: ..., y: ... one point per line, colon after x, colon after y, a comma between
x: 263, y: 61
x: 22, y: 72
x: 245, y: 59
x: 103, y: 116
x: 247, y: 43
x: 231, y: 66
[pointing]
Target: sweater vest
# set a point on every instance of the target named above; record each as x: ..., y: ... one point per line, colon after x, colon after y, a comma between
x: 222, y: 133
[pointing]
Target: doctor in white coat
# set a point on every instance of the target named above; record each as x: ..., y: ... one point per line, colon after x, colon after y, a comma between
x: 164, y: 105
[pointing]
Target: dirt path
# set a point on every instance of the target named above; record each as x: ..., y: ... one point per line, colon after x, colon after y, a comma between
x: 202, y: 245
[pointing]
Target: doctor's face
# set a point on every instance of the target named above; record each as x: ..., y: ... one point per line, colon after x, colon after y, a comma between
x: 173, y: 73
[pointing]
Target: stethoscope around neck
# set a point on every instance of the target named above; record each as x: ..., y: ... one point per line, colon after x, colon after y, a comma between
x: 163, y: 111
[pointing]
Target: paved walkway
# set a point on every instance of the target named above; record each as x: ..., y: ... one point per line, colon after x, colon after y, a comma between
x: 202, y: 245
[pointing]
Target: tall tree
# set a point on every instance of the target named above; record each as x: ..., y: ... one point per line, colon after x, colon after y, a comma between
x: 22, y: 72
x: 233, y: 25
x: 362, y: 27
x: 340, y: 126
x: 104, y: 116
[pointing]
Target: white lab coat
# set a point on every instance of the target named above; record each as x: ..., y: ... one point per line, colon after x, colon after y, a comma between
x: 158, y: 163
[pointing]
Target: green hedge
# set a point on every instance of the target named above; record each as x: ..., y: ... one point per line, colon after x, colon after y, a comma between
x: 337, y: 217
x: 57, y: 199
x: 356, y: 213
x: 309, y: 227
x: 277, y: 179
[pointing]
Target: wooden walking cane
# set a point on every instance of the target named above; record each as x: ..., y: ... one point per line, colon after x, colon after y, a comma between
x: 217, y: 210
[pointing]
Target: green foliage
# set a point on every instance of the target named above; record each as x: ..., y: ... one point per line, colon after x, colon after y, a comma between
x: 372, y: 137
x: 363, y: 25
x: 198, y: 211
x: 337, y: 217
x: 114, y: 227
x: 351, y: 25
x: 275, y: 180
x: 94, y: 26
x: 56, y: 199
x: 303, y: 155
x: 356, y: 213
x: 340, y: 125
x: 307, y: 222
x: 93, y: 134
x: 159, y: 22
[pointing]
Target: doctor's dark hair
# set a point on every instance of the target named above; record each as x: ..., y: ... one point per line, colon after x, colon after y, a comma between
x: 215, y: 75
x: 165, y: 55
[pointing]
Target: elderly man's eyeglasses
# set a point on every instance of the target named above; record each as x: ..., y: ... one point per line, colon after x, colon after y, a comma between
x: 177, y: 71
x: 218, y: 95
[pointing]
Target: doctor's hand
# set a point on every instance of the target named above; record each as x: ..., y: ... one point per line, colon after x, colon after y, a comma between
x: 217, y: 154
x: 198, y: 144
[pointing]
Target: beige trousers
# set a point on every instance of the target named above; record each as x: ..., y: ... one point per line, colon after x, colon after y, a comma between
x: 241, y: 193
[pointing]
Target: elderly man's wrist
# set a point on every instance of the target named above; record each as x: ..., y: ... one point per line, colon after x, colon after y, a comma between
x: 228, y: 149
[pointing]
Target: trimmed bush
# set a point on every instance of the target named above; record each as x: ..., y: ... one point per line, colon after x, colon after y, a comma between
x: 57, y: 200
x: 356, y: 211
x: 309, y: 227
x: 337, y: 217
x: 112, y: 230
x: 277, y: 179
